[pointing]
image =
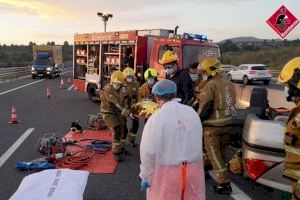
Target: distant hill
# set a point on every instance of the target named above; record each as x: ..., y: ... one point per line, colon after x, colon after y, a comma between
x: 246, y: 39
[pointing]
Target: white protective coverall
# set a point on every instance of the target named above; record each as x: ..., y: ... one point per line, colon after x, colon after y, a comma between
x: 171, y: 138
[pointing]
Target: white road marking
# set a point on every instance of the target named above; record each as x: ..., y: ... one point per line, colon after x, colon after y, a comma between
x: 8, y: 91
x: 15, y: 146
x: 236, y: 192
x: 70, y: 88
x: 66, y: 72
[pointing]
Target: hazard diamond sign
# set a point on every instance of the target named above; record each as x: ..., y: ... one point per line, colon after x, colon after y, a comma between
x: 283, y: 21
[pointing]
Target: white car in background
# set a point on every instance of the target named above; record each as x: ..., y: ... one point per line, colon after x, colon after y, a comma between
x: 250, y: 72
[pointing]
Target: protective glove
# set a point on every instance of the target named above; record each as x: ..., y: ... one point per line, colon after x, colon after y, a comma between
x: 131, y: 116
x: 125, y: 112
x: 144, y: 185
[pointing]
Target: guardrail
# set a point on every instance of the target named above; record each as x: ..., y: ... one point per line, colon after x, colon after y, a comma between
x: 12, y: 73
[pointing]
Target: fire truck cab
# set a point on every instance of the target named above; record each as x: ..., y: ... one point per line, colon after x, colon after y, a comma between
x: 97, y: 55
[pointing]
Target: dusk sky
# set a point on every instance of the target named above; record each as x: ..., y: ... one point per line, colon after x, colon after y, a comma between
x: 57, y: 20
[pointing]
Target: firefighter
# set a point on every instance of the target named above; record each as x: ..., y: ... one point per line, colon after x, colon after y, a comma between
x: 150, y: 76
x: 180, y: 76
x: 216, y: 104
x: 131, y: 86
x: 114, y: 109
x: 198, y: 84
x: 290, y: 77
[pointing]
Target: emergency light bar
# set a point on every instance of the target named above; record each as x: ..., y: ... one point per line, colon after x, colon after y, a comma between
x: 198, y: 37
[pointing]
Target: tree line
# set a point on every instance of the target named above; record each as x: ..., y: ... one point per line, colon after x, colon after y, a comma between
x: 21, y: 55
x: 274, y: 54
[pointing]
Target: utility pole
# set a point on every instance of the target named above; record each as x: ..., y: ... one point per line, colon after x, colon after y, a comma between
x: 105, y: 18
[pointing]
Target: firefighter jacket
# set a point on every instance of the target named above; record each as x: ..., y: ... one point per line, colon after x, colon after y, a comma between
x: 144, y: 91
x: 184, y: 85
x: 219, y: 95
x: 113, y: 101
x: 292, y: 144
x: 132, y: 91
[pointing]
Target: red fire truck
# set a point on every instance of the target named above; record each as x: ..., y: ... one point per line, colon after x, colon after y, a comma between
x: 97, y: 55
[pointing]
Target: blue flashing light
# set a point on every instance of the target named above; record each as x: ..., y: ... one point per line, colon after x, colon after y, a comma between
x: 201, y: 37
x: 195, y: 37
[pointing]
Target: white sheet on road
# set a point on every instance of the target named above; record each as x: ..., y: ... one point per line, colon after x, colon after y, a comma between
x: 52, y: 184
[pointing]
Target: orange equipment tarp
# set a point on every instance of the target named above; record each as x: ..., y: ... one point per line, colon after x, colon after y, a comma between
x: 100, y: 163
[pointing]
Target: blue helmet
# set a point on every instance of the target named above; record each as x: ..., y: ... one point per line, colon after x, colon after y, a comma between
x: 163, y: 87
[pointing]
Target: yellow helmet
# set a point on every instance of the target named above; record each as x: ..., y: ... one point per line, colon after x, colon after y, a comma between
x: 128, y: 71
x: 210, y: 65
x: 168, y: 57
x: 117, y: 77
x: 288, y: 70
x: 150, y: 73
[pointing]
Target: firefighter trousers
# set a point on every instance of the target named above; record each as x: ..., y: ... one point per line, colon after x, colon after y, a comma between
x: 117, y: 126
x: 215, y: 142
x: 133, y: 130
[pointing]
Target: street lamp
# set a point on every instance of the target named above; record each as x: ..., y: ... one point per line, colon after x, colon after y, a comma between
x: 105, y: 18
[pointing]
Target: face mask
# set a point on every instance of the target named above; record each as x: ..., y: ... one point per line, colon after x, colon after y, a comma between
x: 170, y: 71
x: 116, y: 86
x: 194, y: 77
x: 129, y: 79
x: 286, y: 92
x: 151, y: 81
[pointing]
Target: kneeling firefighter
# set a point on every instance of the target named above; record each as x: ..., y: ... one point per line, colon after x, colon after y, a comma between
x: 131, y: 86
x: 114, y: 110
x: 215, y: 109
x: 290, y: 77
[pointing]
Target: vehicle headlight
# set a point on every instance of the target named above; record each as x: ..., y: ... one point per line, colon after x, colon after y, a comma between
x: 32, y: 68
x: 49, y: 68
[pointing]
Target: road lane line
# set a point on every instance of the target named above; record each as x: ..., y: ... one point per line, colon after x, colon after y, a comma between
x: 8, y: 91
x: 236, y: 192
x: 15, y: 146
x: 70, y: 88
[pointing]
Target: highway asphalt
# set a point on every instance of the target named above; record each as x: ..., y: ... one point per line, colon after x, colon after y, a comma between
x: 55, y: 115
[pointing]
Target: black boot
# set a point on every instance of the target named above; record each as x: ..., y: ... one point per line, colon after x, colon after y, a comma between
x: 224, y: 188
x: 118, y: 157
x: 126, y: 152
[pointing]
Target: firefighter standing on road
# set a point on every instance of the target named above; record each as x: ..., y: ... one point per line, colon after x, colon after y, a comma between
x: 180, y: 76
x: 290, y: 76
x: 150, y: 76
x: 131, y: 86
x: 216, y: 102
x: 198, y: 84
x: 114, y: 110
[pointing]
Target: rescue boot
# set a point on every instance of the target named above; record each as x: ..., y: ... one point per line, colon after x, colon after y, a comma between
x: 224, y: 188
x: 118, y: 157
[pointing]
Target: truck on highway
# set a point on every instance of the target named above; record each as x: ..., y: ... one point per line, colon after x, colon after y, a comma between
x: 47, y: 61
x: 97, y: 55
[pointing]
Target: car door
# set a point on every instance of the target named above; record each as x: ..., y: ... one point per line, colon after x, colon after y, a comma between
x: 240, y: 73
x: 233, y: 73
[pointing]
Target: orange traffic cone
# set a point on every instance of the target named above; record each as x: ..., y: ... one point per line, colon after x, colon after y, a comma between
x: 62, y: 84
x: 13, y: 119
x: 48, y: 93
x: 69, y: 80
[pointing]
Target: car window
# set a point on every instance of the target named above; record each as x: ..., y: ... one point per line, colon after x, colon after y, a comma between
x: 259, y: 68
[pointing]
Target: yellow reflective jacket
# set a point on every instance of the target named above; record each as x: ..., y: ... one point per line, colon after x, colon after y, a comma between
x: 222, y: 93
x: 292, y: 145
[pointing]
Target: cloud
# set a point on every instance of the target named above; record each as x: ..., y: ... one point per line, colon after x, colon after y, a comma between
x: 34, y: 8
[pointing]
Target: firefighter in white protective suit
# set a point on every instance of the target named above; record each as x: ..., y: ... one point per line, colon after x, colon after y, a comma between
x: 171, y: 149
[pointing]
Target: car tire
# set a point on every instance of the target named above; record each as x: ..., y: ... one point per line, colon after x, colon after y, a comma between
x: 230, y: 77
x: 266, y: 82
x: 245, y: 80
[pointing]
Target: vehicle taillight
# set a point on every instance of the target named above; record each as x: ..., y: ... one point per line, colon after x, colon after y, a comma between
x: 252, y: 72
x: 270, y: 72
x: 256, y: 168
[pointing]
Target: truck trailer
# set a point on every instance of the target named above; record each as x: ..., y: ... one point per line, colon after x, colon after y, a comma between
x: 97, y: 55
x: 47, y: 61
